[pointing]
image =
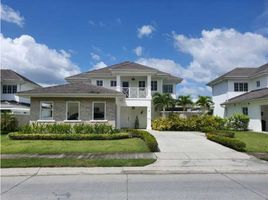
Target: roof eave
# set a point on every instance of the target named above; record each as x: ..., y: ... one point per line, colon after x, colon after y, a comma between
x: 106, y: 95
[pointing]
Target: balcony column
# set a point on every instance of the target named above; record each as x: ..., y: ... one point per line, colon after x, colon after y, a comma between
x: 149, y: 95
x: 118, y: 112
x: 118, y: 83
x: 149, y: 118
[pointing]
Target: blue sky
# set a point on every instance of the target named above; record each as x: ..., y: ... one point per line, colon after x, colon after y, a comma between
x: 197, y: 40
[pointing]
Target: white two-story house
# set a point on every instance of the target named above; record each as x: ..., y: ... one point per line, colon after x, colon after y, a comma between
x: 243, y: 90
x: 119, y: 94
x: 11, y: 83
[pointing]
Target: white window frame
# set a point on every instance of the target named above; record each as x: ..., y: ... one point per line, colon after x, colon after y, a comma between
x: 40, y: 111
x: 96, y: 120
x: 171, y: 86
x: 97, y: 83
x: 66, y: 113
x: 114, y: 82
x: 258, y: 83
x: 154, y: 81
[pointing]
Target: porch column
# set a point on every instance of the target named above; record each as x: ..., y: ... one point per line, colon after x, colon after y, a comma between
x: 118, y: 112
x: 149, y: 118
x: 149, y: 95
x: 161, y: 86
x: 118, y: 83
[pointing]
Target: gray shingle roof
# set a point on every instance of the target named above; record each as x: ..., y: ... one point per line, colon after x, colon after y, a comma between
x: 10, y: 75
x: 126, y: 66
x: 259, y: 94
x: 72, y: 88
x: 242, y: 73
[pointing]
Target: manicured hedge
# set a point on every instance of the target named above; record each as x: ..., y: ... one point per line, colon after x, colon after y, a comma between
x: 195, y: 123
x: 146, y: 137
x: 36, y: 136
x: 223, y: 133
x: 228, y: 142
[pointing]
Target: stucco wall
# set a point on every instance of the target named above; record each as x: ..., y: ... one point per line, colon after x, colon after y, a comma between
x: 59, y: 112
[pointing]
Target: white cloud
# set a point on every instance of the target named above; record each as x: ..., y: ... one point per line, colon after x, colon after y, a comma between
x: 165, y: 65
x: 36, y: 61
x: 218, y: 51
x: 99, y: 65
x: 95, y: 56
x: 138, y: 50
x: 91, y: 22
x: 145, y: 30
x: 10, y: 15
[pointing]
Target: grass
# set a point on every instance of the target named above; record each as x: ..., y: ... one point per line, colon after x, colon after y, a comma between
x: 53, y: 162
x: 255, y: 142
x: 63, y: 146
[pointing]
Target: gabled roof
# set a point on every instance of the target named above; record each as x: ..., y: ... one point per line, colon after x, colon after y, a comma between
x: 71, y: 89
x: 124, y: 66
x: 10, y: 75
x: 241, y: 73
x: 259, y: 94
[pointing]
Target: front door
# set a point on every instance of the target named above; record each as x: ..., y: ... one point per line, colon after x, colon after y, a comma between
x: 125, y: 88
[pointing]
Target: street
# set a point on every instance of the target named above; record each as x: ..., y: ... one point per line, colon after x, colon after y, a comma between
x: 117, y: 187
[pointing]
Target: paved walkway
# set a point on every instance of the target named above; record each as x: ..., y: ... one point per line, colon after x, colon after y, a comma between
x: 192, y: 152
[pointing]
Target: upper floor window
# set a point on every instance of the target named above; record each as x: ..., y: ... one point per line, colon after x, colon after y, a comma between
x: 240, y: 87
x: 73, y: 110
x: 99, y: 82
x: 245, y: 110
x: 167, y: 88
x: 141, y: 84
x: 9, y: 89
x: 154, y: 85
x: 46, y: 110
x: 258, y: 83
x: 113, y: 83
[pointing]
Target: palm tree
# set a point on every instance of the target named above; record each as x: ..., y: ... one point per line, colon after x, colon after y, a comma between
x: 184, y: 101
x: 163, y: 101
x: 205, y: 102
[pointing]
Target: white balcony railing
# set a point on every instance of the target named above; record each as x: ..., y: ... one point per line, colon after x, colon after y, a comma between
x: 134, y: 92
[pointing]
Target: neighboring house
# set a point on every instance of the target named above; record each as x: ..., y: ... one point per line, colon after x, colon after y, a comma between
x: 117, y: 94
x: 243, y: 90
x: 11, y: 83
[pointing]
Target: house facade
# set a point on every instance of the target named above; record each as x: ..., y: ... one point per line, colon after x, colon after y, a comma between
x: 119, y: 94
x: 11, y: 83
x: 243, y: 90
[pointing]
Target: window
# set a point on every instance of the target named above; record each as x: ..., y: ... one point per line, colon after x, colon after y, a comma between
x: 4, y: 89
x: 9, y: 89
x: 99, y: 82
x: 240, y: 87
x: 14, y: 89
x: 46, y: 111
x: 98, y: 111
x: 73, y: 110
x: 245, y: 110
x: 154, y: 85
x: 167, y: 88
x: 113, y: 83
x: 141, y: 84
x: 258, y: 83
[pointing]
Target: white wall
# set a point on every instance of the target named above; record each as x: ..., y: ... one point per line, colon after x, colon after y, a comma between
x: 128, y: 117
x: 254, y: 113
x: 263, y: 82
x: 219, y: 93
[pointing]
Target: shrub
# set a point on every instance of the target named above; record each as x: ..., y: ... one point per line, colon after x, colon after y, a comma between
x: 41, y: 128
x: 238, y: 122
x: 194, y: 123
x: 66, y: 136
x: 228, y: 142
x: 8, y: 123
x: 223, y: 133
x: 146, y: 137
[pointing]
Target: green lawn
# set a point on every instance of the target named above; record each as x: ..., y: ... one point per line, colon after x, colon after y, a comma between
x: 51, y: 162
x: 71, y: 146
x: 255, y: 142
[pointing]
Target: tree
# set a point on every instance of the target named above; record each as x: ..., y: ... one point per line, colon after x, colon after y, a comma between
x: 205, y: 102
x: 163, y: 101
x: 184, y: 101
x: 8, y: 122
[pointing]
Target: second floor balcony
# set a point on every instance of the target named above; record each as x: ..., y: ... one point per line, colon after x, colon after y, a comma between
x: 134, y: 92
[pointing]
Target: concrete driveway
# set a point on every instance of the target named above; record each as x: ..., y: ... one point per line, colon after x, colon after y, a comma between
x: 192, y: 152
